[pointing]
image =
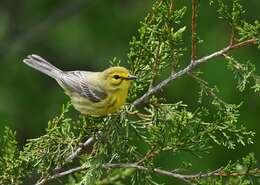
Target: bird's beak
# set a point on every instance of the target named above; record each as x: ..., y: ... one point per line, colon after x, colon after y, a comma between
x: 131, y: 77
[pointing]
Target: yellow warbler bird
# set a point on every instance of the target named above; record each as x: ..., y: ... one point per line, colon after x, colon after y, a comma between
x: 91, y: 93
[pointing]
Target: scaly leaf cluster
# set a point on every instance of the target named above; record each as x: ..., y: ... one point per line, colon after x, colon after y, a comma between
x: 11, y: 168
x: 158, y: 45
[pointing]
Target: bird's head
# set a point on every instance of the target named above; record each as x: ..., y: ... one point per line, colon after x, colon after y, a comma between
x: 117, y: 78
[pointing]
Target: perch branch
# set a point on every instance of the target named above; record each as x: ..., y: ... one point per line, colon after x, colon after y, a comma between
x: 190, y: 67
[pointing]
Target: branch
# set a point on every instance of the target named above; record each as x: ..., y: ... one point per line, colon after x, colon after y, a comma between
x: 193, y: 30
x: 190, y: 67
x: 61, y: 174
x: 70, y: 158
x: 142, y: 168
x: 244, y: 43
x: 186, y: 178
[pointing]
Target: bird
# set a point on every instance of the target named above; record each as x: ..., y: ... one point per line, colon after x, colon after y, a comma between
x: 91, y: 93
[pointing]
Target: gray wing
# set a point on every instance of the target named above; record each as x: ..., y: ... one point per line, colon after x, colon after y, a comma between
x: 74, y: 80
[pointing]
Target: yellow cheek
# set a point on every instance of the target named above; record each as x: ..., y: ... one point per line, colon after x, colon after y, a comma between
x: 116, y: 81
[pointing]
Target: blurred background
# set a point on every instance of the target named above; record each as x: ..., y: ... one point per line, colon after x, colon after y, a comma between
x: 85, y: 35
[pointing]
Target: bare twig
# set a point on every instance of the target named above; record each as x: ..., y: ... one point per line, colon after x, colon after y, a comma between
x: 142, y: 168
x: 186, y: 178
x: 120, y: 165
x: 244, y: 43
x: 191, y: 66
x: 60, y: 174
x: 255, y: 171
x: 216, y: 173
x: 193, y: 30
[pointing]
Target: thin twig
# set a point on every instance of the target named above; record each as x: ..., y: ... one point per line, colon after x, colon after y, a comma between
x: 60, y: 174
x: 216, y: 173
x: 236, y: 174
x: 193, y: 30
x: 186, y: 178
x: 191, y: 66
x: 142, y: 168
x: 244, y: 43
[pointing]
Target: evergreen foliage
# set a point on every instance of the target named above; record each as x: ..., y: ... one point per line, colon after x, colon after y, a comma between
x: 126, y: 144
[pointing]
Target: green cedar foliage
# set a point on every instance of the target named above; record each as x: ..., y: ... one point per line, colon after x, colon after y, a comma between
x: 140, y: 135
x: 11, y: 170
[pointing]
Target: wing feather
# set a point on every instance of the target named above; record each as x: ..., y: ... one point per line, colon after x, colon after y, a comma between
x: 75, y: 80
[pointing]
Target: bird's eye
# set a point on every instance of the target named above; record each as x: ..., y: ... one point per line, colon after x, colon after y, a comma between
x: 116, y: 77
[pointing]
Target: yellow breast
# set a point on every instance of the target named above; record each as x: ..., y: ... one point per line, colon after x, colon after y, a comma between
x: 117, y: 100
x: 109, y: 105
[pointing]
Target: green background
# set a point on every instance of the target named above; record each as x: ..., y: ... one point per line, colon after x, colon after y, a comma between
x: 85, y: 35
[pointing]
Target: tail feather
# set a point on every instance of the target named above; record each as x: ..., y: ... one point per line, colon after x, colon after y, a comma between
x: 40, y: 64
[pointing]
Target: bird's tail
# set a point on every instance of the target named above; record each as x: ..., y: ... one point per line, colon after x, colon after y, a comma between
x: 43, y: 66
